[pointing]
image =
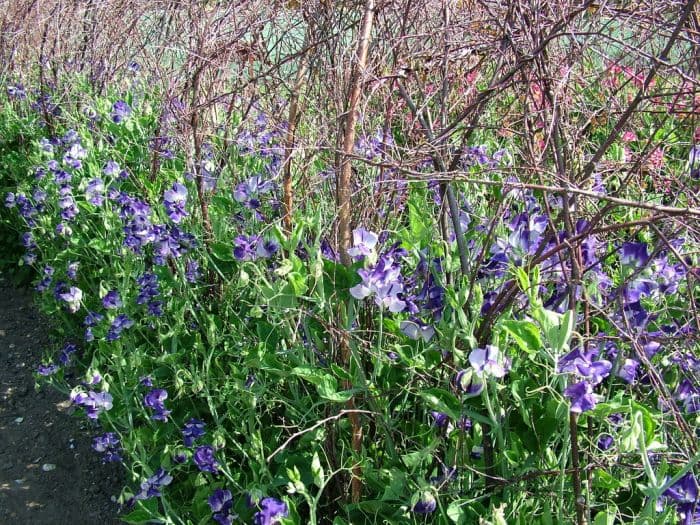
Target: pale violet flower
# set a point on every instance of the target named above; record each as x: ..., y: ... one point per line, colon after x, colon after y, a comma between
x: 489, y: 362
x: 363, y: 242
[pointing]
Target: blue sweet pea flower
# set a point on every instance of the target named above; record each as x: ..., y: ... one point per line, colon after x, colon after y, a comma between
x: 120, y: 111
x: 271, y: 511
x: 426, y: 503
x: 205, y: 460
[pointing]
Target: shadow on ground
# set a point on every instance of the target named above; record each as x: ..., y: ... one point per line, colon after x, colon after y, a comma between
x: 48, y: 472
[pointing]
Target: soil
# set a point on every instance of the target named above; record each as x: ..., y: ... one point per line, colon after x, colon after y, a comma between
x: 48, y: 472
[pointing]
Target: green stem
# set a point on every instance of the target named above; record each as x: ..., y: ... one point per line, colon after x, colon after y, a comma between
x: 495, y: 423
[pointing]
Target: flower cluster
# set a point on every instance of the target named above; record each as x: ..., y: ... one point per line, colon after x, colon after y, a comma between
x: 109, y: 446
x: 205, y: 460
x: 91, y: 320
x: 175, y: 200
x: 250, y: 191
x: 221, y: 503
x: 155, y: 400
x: 120, y: 111
x: 588, y: 372
x: 251, y: 247
x: 270, y: 511
x: 684, y: 494
x: 72, y: 296
x: 383, y: 281
x: 151, y: 488
x: 93, y: 402
x: 112, y: 300
x: 118, y: 325
x: 193, y: 430
x: 148, y: 292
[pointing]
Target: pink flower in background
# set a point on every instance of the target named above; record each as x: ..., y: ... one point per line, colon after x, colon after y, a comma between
x: 656, y: 159
x: 629, y: 136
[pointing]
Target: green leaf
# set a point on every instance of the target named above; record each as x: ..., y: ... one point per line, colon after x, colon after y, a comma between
x: 222, y: 251
x: 456, y: 513
x: 309, y: 373
x: 606, y: 517
x: 604, y: 480
x: 317, y: 470
x: 629, y: 438
x: 525, y: 334
x: 297, y: 283
x: 442, y: 401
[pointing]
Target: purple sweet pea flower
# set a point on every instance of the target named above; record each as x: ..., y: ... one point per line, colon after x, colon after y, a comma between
x: 43, y: 285
x: 28, y: 241
x: 46, y: 146
x: 205, y: 460
x: 684, y: 493
x: 426, y: 504
x: 120, y: 111
x: 108, y: 445
x: 628, y: 370
x: 192, y: 272
x: 74, y: 156
x: 94, y: 403
x: 220, y: 503
x: 271, y: 511
x: 71, y: 137
x: 364, y: 243
x: 72, y: 270
x: 111, y: 169
x: 148, y: 283
x: 112, y: 300
x: 581, y: 364
x: 119, y: 324
x: 72, y: 297
x: 47, y: 370
x: 694, y: 161
x: 248, y: 191
x: 16, y: 91
x: 94, y: 192
x: 634, y: 254
x: 245, y: 247
x: 192, y: 430
x: 267, y: 248
x: 469, y: 382
x: 66, y: 352
x: 155, y: 400
x: 152, y: 486
x: 581, y: 396
x: 67, y: 204
x: 605, y: 441
x: 63, y: 230
x: 39, y: 195
x: 384, y: 282
x: 526, y: 235
x: 416, y: 329
x: 174, y: 201
x: 92, y: 318
x: 489, y: 362
x: 440, y: 420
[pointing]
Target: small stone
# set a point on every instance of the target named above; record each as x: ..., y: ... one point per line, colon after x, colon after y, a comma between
x: 18, y: 420
x: 2, y: 333
x: 48, y: 467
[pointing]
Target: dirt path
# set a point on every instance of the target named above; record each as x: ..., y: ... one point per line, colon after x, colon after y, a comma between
x: 48, y: 472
